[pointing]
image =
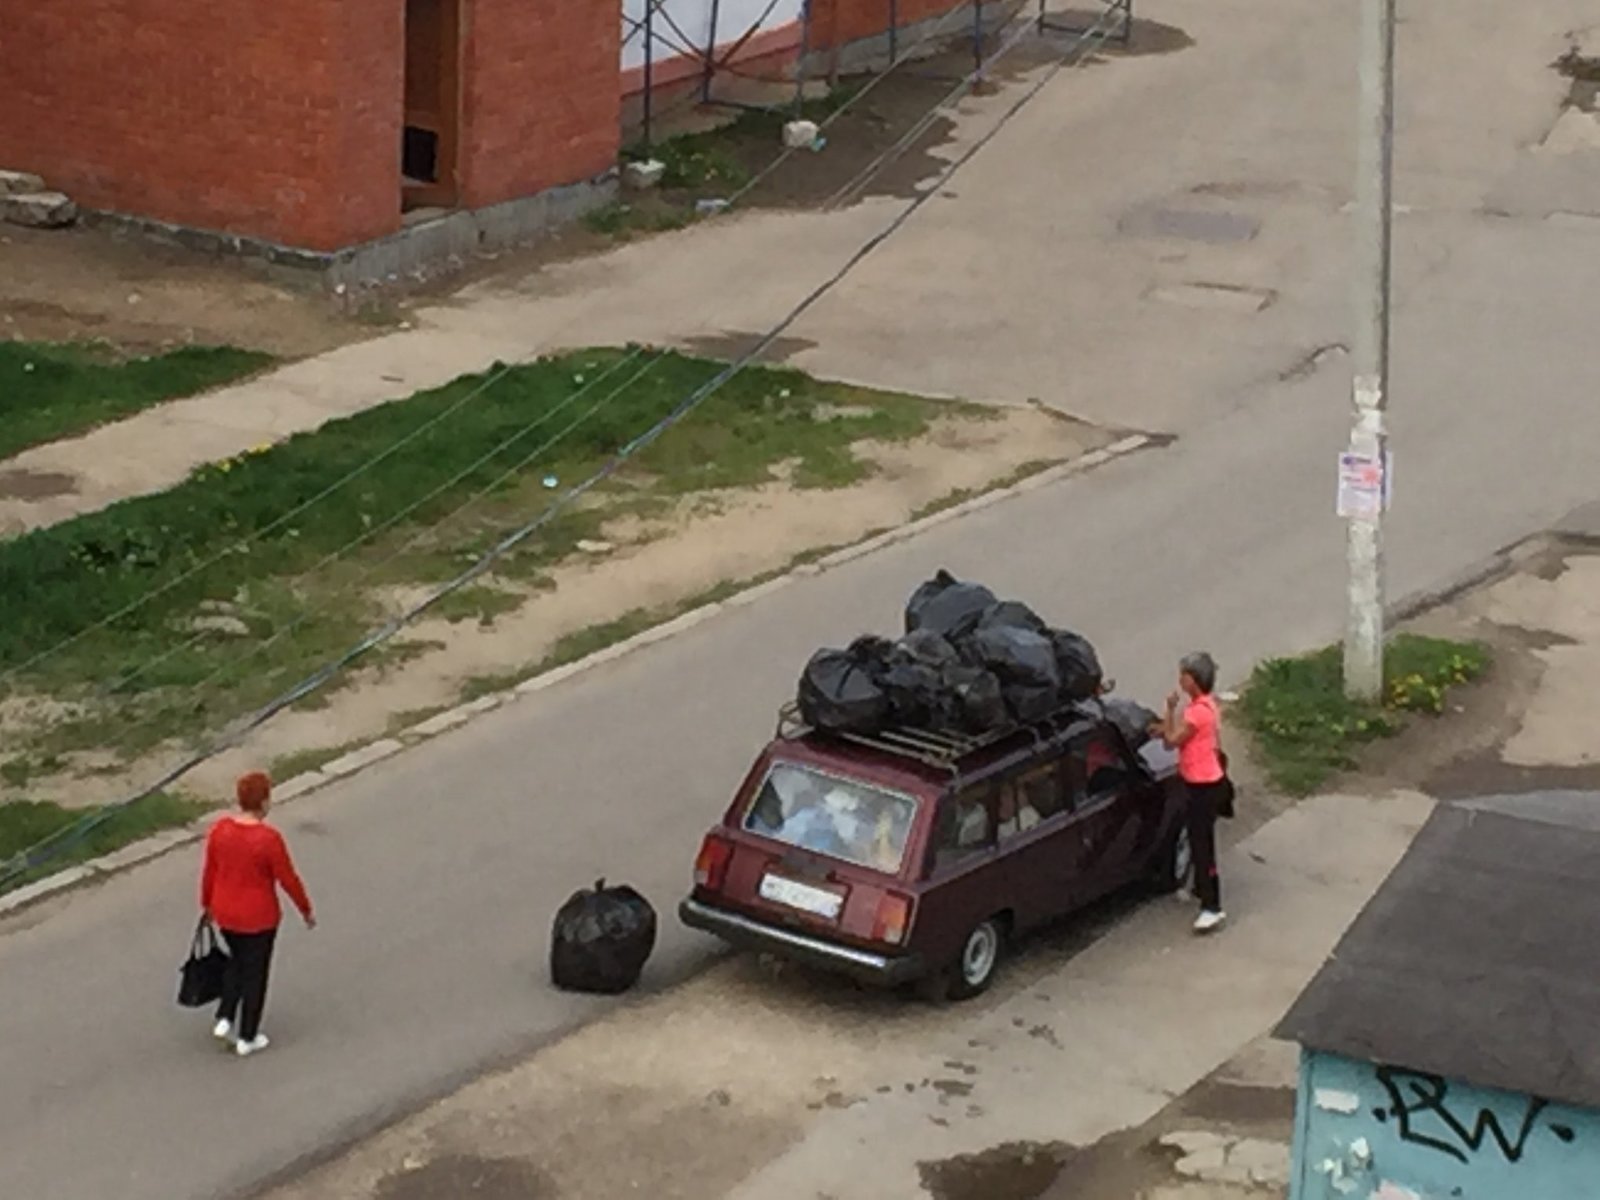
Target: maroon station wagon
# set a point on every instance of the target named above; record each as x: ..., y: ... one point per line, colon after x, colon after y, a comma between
x: 914, y: 857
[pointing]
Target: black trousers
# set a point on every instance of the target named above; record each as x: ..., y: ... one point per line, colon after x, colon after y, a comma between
x: 244, y: 987
x: 1202, y: 818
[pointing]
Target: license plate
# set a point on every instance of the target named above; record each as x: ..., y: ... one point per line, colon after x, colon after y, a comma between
x: 817, y: 901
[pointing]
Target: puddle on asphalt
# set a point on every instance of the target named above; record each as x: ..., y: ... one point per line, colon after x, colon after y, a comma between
x: 1014, y: 1171
x: 464, y: 1175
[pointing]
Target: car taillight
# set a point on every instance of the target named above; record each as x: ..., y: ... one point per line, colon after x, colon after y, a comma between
x: 893, y: 921
x: 711, y: 868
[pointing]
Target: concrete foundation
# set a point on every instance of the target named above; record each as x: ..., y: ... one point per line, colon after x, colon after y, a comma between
x: 429, y: 246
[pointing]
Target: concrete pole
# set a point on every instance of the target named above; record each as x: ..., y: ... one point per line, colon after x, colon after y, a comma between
x: 1363, y: 645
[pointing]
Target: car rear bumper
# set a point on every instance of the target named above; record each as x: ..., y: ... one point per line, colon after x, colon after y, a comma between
x: 747, y: 933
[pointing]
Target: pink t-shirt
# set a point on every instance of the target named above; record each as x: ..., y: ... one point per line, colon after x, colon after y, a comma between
x: 1197, y: 758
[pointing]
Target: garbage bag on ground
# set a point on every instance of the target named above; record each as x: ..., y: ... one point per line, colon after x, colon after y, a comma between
x: 977, y: 699
x: 1132, y: 719
x: 842, y: 690
x: 601, y: 940
x: 1077, y: 665
x: 946, y: 606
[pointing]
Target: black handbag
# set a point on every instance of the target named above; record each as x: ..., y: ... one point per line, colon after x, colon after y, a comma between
x: 1225, y: 789
x: 200, y: 978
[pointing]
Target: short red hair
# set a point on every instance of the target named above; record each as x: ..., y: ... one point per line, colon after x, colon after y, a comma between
x: 253, y: 790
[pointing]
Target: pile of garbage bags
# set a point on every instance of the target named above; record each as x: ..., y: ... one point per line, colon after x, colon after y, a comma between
x: 968, y: 662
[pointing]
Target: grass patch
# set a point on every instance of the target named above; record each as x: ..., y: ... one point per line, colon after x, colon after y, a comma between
x: 1307, y: 730
x: 228, y: 604
x: 50, y: 391
x: 26, y: 823
x: 475, y: 603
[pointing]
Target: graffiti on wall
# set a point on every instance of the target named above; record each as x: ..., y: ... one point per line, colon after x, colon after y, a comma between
x: 1424, y: 1115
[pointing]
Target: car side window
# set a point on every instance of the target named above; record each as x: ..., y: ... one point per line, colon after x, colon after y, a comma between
x: 1100, y: 765
x: 1030, y: 799
x: 965, y: 829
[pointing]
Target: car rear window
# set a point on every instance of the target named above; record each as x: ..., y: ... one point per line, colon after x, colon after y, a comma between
x: 842, y: 818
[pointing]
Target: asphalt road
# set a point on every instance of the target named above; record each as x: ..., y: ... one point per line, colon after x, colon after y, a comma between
x: 436, y: 873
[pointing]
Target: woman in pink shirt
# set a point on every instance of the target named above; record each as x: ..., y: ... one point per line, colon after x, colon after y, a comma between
x: 1194, y: 734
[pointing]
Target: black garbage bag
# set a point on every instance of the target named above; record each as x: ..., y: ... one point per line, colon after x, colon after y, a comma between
x: 977, y: 700
x: 946, y: 606
x: 1077, y: 665
x: 842, y: 690
x: 601, y: 940
x: 1132, y: 719
x: 1012, y: 614
x: 1029, y: 702
x: 915, y: 681
x: 926, y: 648
x: 1016, y: 655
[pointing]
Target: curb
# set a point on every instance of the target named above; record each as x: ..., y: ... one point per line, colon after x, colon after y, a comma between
x: 381, y: 748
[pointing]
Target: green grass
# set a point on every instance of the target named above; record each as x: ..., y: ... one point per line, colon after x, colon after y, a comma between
x: 272, y: 609
x: 26, y: 823
x: 50, y: 391
x: 1307, y: 730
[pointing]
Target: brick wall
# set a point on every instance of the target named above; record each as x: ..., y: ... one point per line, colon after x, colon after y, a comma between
x: 836, y: 23
x: 277, y: 120
x: 541, y: 104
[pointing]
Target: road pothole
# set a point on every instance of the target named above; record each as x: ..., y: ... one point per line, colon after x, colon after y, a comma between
x: 1013, y: 1171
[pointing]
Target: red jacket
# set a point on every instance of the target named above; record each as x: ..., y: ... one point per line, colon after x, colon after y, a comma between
x: 246, y: 863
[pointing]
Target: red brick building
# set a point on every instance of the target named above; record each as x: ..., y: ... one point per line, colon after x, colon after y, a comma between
x: 316, y: 124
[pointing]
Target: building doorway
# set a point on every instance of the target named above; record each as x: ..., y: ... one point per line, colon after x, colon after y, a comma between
x: 429, y: 140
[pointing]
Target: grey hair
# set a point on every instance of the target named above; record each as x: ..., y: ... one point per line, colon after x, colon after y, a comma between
x: 1201, y: 668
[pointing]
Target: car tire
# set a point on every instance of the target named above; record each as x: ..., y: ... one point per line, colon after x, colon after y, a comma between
x: 978, y: 962
x: 1172, y: 866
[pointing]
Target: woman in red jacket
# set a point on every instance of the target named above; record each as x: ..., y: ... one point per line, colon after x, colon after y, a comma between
x: 246, y: 863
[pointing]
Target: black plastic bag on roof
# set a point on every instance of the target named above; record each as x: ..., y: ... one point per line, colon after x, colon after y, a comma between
x: 915, y: 681
x: 978, y: 702
x: 1132, y: 719
x: 1028, y: 703
x: 1077, y: 665
x: 1015, y: 654
x: 601, y: 939
x: 842, y: 690
x: 946, y: 606
x: 925, y: 648
x: 1012, y: 614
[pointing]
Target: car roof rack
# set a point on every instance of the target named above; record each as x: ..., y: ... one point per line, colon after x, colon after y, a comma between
x: 941, y: 748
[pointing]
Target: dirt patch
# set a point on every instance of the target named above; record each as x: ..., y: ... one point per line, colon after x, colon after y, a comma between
x: 85, y: 283
x: 1015, y: 1171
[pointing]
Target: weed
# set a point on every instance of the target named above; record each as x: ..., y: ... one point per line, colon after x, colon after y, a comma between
x: 1308, y: 730
x: 24, y: 824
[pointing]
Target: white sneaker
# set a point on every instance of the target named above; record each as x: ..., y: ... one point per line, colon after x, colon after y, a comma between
x: 254, y: 1046
x: 1184, y: 895
x: 223, y: 1031
x: 1209, y: 921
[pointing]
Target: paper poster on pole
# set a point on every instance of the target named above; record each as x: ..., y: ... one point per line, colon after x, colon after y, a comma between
x: 1363, y: 486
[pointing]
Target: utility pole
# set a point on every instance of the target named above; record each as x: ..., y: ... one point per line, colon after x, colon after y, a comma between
x: 1366, y: 465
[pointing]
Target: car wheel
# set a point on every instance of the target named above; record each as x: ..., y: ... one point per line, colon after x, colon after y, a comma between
x: 979, y: 961
x: 1175, y: 863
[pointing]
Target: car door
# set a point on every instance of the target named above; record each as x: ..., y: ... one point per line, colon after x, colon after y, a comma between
x: 965, y: 880
x: 1038, y: 842
x: 1113, y: 825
